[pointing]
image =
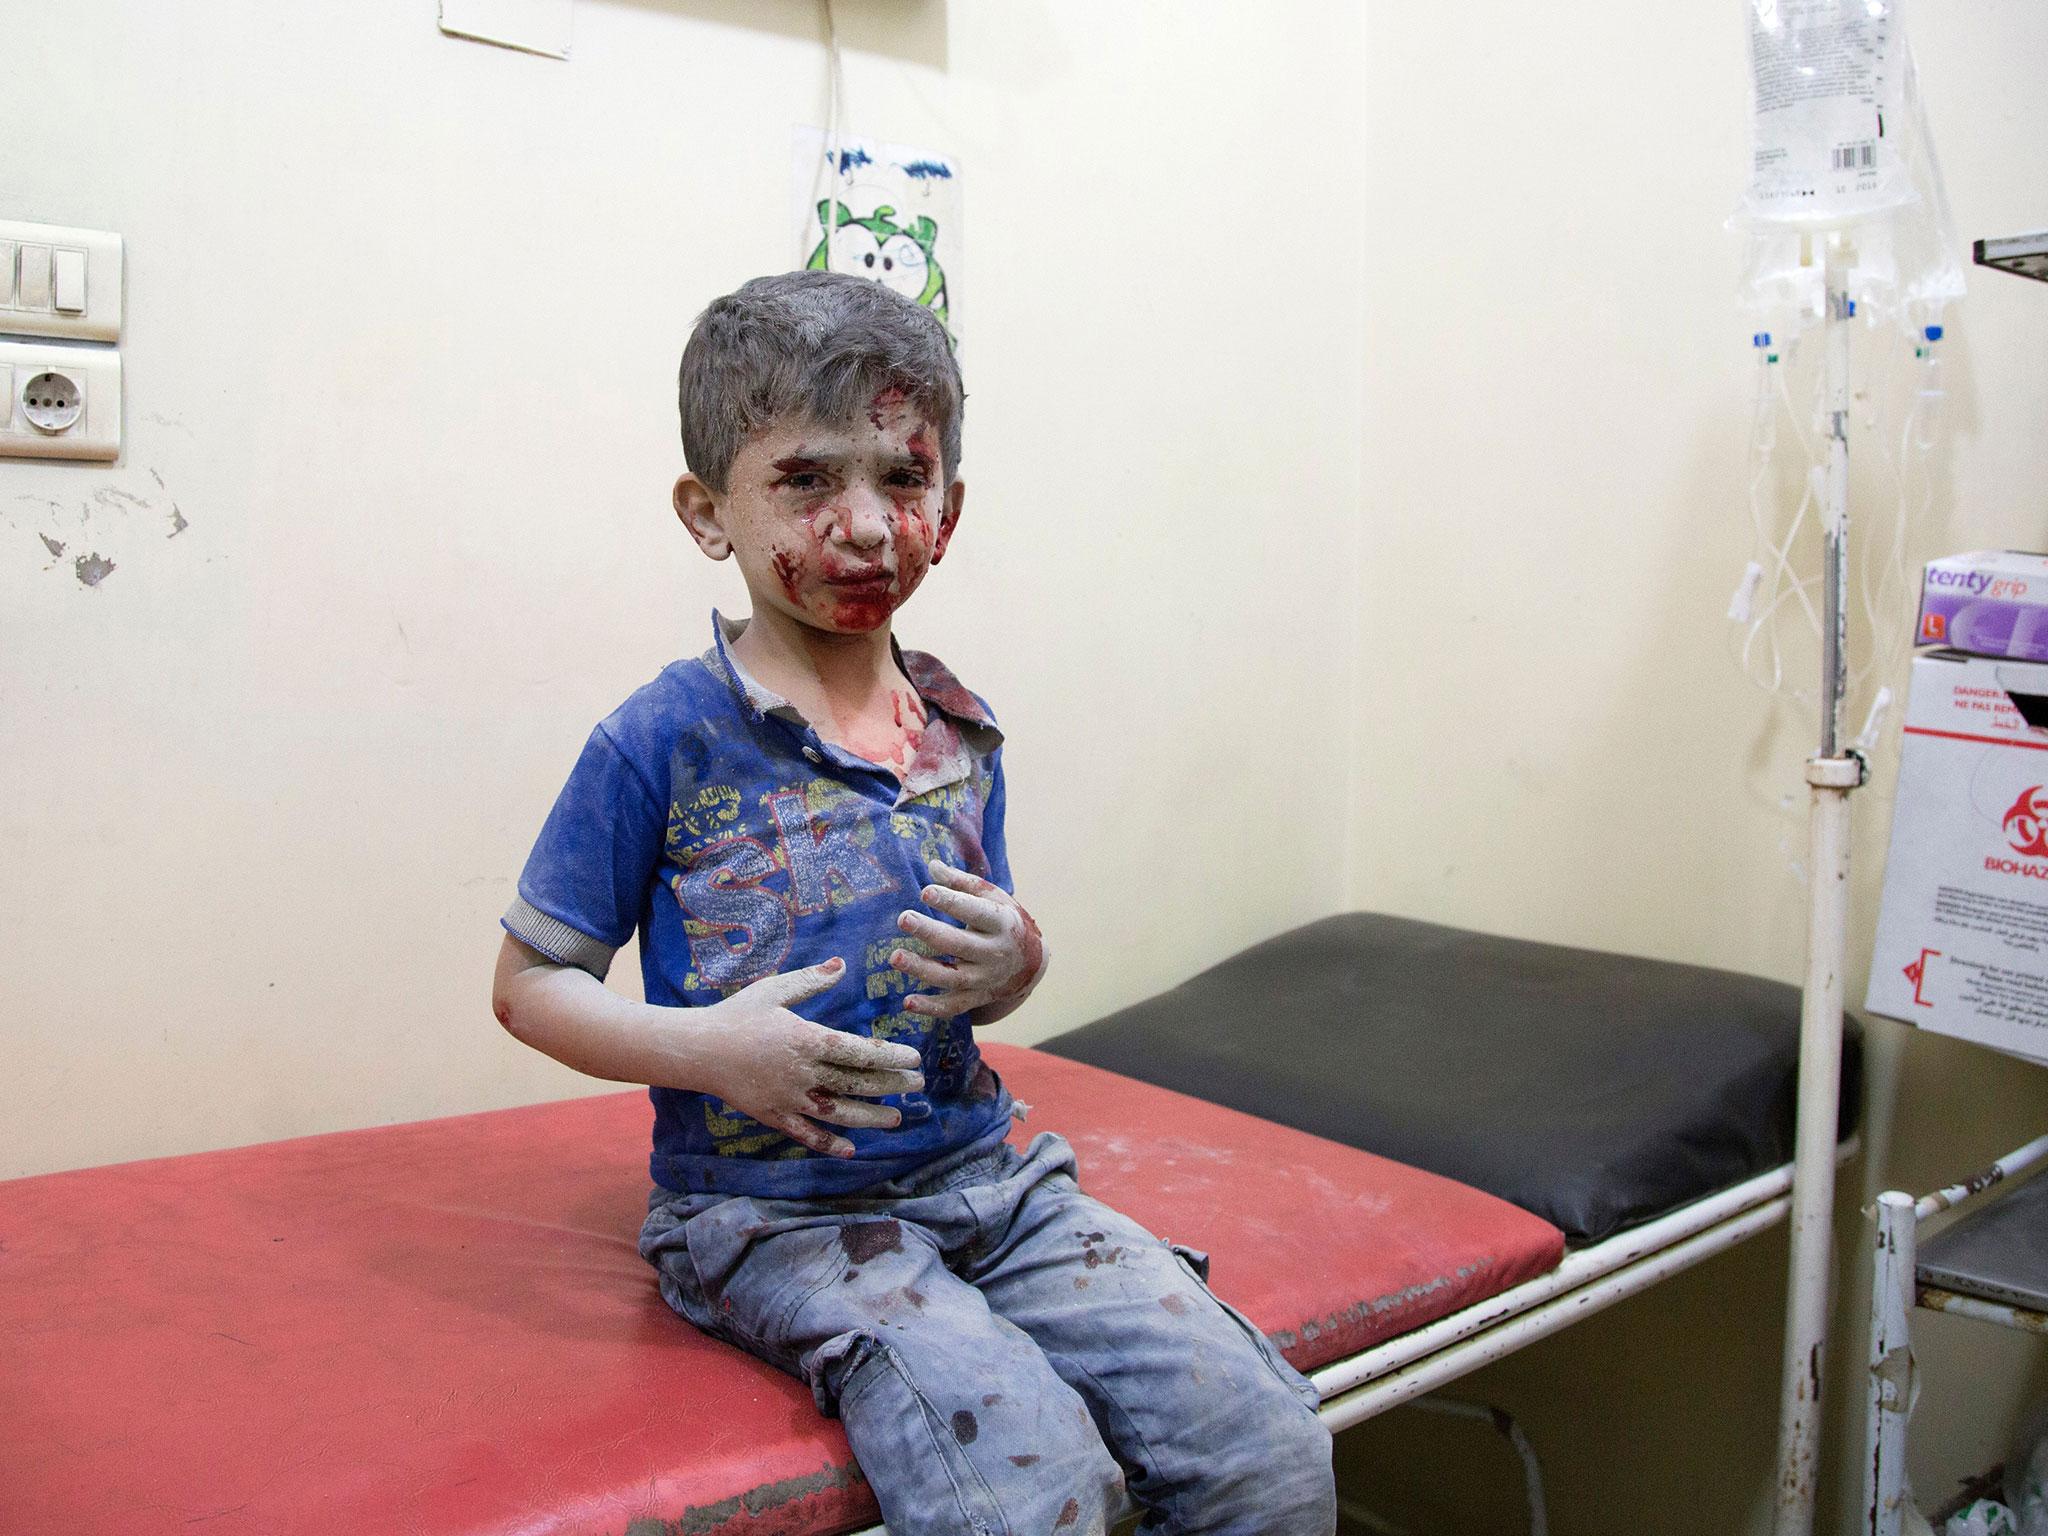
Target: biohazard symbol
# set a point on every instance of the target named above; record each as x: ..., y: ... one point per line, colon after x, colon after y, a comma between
x: 1916, y: 973
x: 2026, y: 824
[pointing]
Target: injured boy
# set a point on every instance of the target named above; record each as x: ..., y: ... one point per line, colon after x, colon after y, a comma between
x: 804, y: 826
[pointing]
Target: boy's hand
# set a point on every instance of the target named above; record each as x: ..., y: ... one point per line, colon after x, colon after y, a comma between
x: 789, y: 1073
x: 996, y: 956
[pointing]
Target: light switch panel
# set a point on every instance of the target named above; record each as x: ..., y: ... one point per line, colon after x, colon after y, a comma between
x: 34, y: 290
x: 67, y: 281
x: 68, y: 285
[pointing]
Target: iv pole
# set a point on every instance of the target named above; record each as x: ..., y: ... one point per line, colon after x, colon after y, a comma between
x: 1832, y: 775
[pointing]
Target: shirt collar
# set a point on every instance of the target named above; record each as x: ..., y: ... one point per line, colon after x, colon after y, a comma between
x: 760, y: 699
x: 931, y: 677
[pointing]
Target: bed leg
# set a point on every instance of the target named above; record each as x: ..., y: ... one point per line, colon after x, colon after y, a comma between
x: 1503, y: 1421
x: 1892, y: 1292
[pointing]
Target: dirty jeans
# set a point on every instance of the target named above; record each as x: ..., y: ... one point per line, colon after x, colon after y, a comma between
x: 1007, y: 1354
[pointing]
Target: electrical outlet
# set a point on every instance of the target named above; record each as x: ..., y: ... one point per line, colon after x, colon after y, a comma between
x: 60, y: 402
x: 62, y: 282
x: 52, y: 401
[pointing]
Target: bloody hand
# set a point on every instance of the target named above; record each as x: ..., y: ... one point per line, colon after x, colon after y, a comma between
x: 995, y: 956
x: 790, y: 1073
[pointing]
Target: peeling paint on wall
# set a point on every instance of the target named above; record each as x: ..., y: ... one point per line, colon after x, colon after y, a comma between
x: 113, y: 499
x: 112, y: 513
x: 92, y: 569
x: 178, y: 523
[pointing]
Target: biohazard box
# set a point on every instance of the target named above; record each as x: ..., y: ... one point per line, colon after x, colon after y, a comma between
x: 1990, y: 603
x: 1962, y: 936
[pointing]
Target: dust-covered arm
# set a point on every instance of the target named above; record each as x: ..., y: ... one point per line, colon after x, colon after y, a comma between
x: 750, y: 1049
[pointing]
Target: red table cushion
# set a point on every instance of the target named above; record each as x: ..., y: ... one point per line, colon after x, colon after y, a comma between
x: 444, y: 1328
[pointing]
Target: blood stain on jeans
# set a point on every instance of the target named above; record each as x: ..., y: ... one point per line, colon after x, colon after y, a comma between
x: 1023, y: 1461
x: 865, y: 1240
x: 1068, y: 1515
x: 966, y: 1428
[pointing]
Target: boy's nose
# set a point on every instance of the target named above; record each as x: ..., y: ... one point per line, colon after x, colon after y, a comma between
x: 866, y: 523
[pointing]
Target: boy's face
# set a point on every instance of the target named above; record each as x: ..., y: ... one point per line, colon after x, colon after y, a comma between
x: 834, y: 526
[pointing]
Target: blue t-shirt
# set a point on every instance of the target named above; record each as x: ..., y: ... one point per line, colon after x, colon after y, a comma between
x: 708, y: 815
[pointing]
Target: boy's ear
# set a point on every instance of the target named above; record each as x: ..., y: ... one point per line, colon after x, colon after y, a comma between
x: 949, y: 518
x: 698, y: 510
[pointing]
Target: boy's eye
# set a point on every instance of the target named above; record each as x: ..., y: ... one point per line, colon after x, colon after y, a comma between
x: 912, y: 478
x: 803, y: 480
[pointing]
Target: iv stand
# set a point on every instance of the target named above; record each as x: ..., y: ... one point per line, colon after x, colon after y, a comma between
x: 1832, y: 774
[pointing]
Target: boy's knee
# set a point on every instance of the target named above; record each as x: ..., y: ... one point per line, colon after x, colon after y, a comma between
x: 1304, y: 1484
x: 1274, y: 1479
x: 1085, y: 1498
x: 949, y: 1455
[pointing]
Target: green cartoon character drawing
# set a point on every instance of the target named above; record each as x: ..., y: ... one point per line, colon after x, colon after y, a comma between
x: 898, y: 258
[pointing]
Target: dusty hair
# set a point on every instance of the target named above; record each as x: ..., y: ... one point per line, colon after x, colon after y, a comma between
x: 810, y: 346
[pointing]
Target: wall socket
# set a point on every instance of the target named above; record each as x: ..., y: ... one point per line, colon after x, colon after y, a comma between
x: 59, y: 402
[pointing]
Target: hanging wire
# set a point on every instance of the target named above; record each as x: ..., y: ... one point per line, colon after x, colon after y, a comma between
x: 828, y: 167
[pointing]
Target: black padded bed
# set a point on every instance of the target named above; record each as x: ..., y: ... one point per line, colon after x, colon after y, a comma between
x: 1594, y: 1090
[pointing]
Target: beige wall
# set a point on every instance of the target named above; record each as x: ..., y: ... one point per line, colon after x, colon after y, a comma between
x: 404, y: 320
x: 404, y: 314
x: 1557, y: 403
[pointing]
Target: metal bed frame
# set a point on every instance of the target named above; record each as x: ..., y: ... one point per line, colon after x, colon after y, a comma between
x: 1895, y: 1290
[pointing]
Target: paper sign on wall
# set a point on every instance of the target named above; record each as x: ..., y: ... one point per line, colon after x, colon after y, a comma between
x: 533, y: 26
x: 885, y: 211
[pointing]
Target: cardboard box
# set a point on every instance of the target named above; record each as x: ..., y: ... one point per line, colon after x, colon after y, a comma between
x: 1993, y: 602
x: 1962, y: 937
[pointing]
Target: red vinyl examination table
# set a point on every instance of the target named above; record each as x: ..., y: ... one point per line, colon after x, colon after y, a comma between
x: 443, y: 1328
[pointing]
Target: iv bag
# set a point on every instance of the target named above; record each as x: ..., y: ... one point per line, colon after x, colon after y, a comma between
x: 1827, y: 90
x: 1908, y: 265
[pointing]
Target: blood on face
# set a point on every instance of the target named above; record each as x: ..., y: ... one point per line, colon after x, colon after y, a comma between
x: 789, y: 571
x: 852, y: 515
